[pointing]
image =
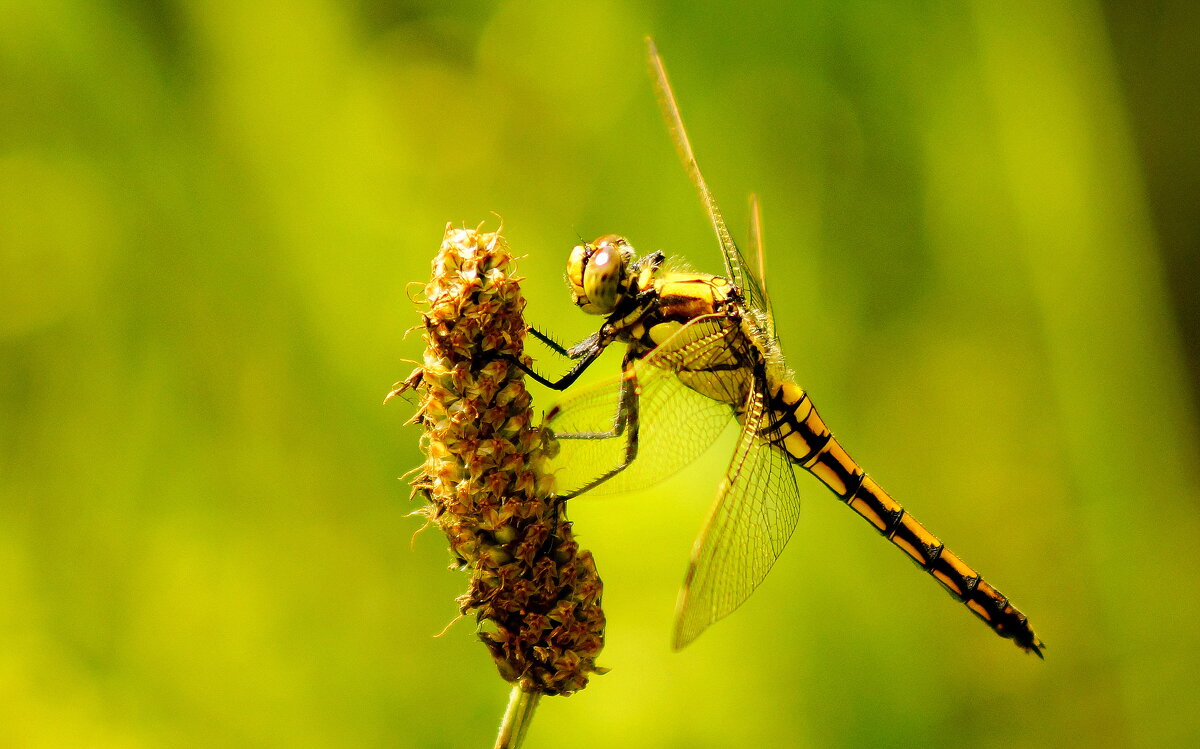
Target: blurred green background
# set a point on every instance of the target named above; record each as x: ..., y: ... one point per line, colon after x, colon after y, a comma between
x: 981, y: 224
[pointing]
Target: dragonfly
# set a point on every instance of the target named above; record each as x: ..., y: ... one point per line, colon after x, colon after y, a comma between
x: 700, y: 354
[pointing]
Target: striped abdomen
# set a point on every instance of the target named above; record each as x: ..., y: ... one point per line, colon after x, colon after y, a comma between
x: 795, y: 426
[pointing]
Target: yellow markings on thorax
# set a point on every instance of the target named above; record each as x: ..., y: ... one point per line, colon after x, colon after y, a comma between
x: 661, y: 332
x: 704, y: 288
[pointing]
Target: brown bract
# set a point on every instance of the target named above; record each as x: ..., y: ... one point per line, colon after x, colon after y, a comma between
x: 534, y: 592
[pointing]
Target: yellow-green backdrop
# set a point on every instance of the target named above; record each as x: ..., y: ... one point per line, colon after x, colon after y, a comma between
x: 980, y: 244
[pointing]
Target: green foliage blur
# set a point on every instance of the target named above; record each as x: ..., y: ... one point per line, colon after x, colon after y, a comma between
x: 980, y: 223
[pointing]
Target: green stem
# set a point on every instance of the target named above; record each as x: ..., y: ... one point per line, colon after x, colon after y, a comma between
x: 517, y: 718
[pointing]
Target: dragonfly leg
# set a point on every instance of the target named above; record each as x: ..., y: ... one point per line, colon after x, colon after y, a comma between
x: 625, y: 423
x: 577, y: 351
x: 585, y: 352
x: 549, y: 342
x: 586, y: 346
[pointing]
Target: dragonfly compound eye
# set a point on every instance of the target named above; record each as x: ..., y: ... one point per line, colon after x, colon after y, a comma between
x: 597, y: 272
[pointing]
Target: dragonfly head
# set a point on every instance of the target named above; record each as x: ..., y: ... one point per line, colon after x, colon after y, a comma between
x: 600, y: 274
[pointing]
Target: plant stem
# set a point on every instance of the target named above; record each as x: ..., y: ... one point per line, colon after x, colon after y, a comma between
x: 517, y: 718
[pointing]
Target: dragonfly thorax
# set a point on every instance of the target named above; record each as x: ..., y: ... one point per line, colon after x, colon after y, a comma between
x: 600, y: 273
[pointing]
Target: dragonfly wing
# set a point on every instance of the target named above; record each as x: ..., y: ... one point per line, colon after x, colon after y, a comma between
x: 756, y: 249
x: 753, y: 517
x: 736, y: 266
x: 674, y: 424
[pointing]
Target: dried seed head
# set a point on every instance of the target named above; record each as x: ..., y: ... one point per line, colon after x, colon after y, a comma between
x: 485, y: 475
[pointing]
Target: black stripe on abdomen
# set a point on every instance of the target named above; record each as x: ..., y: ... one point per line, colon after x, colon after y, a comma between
x: 796, y: 427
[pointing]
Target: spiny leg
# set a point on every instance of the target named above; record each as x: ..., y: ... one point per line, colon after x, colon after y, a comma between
x: 686, y: 420
x: 585, y: 352
x: 550, y: 343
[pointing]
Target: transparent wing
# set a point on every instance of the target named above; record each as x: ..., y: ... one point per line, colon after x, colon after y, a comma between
x: 756, y: 510
x: 756, y: 249
x: 669, y: 423
x: 735, y: 265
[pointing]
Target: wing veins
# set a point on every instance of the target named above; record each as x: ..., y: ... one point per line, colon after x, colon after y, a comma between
x: 752, y: 518
x: 735, y: 265
x: 676, y: 426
